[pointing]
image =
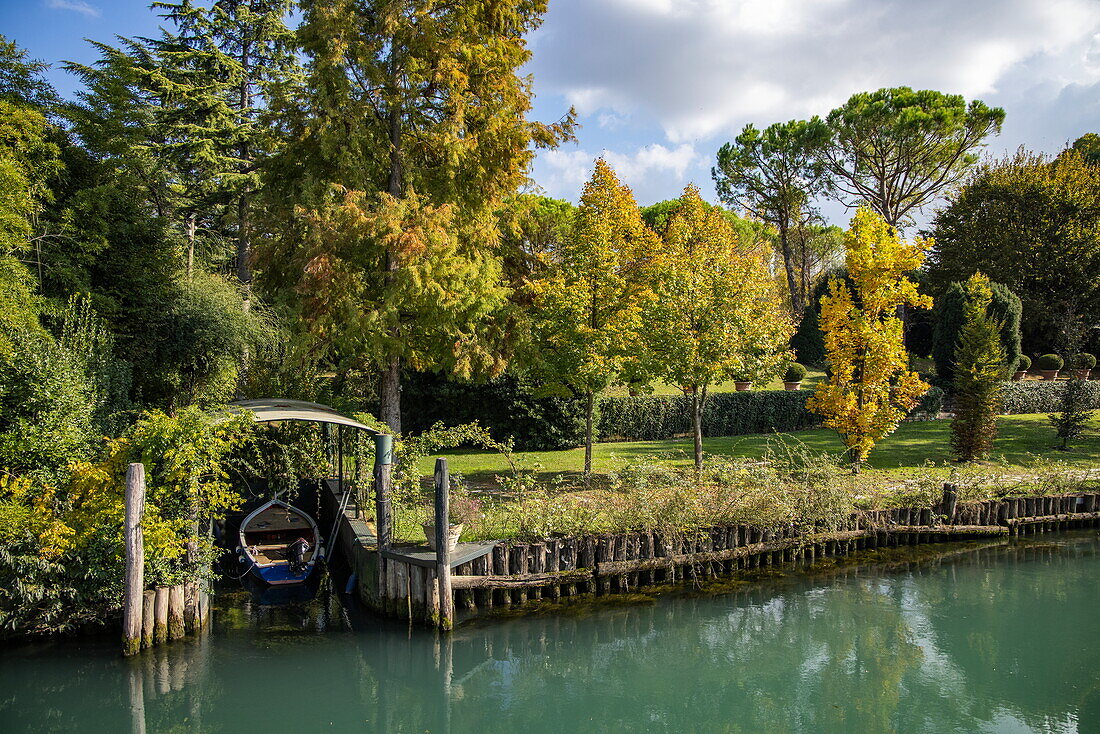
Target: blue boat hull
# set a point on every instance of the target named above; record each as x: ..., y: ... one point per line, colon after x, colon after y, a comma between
x: 282, y: 574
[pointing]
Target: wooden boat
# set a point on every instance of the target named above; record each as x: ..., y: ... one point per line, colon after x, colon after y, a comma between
x: 280, y: 543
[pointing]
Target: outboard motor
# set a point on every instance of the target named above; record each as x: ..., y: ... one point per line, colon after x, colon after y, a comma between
x: 296, y: 554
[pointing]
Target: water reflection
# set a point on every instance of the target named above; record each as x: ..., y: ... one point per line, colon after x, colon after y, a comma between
x: 997, y: 639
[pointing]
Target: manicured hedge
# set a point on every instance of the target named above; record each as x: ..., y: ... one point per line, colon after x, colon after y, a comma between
x: 647, y: 418
x: 1036, y: 396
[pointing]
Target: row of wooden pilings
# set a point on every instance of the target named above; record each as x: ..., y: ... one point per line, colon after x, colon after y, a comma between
x: 163, y: 614
x: 514, y: 573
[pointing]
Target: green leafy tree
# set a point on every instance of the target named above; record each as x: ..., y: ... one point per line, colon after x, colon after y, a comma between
x: 714, y: 313
x: 980, y: 365
x: 1072, y: 420
x: 1088, y: 146
x: 587, y: 317
x: 1032, y: 224
x: 405, y: 99
x: 897, y: 149
x: 949, y: 315
x: 774, y: 174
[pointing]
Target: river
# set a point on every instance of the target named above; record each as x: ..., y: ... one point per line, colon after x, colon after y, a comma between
x: 994, y: 637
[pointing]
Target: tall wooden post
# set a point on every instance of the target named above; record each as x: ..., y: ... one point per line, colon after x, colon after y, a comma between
x: 443, y: 544
x: 383, y: 468
x: 134, y: 583
x: 950, y: 499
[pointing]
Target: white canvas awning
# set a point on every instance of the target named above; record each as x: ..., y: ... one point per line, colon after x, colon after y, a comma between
x: 272, y: 410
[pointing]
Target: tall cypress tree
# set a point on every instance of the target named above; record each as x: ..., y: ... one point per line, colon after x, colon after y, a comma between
x: 980, y: 366
x: 403, y: 99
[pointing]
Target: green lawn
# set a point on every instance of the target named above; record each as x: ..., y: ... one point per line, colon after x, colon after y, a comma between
x: 659, y: 388
x: 1022, y: 439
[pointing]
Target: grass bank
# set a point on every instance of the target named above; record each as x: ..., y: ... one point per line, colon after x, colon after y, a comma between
x: 921, y: 445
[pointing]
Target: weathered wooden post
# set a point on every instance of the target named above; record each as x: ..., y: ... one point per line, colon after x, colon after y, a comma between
x: 443, y: 543
x: 147, y: 617
x: 134, y: 583
x: 383, y: 468
x: 950, y: 499
x: 160, y: 616
x: 175, y: 612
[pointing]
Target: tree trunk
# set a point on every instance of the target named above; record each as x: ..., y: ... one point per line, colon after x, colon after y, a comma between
x: 390, y: 394
x: 697, y: 399
x: 244, y: 250
x: 589, y: 409
x: 789, y: 266
x: 192, y: 225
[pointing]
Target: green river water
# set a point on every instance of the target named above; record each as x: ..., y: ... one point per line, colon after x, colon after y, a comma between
x: 995, y: 637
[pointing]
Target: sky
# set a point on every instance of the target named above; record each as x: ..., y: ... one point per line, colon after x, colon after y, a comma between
x: 660, y: 85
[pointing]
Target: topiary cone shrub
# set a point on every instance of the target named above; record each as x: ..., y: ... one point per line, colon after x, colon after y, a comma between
x: 792, y: 378
x: 1049, y: 365
x: 1023, y: 364
x: 1083, y: 365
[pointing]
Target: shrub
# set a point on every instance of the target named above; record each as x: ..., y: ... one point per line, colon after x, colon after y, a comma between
x: 1023, y: 364
x: 1034, y: 396
x: 656, y: 418
x: 508, y: 406
x: 794, y: 373
x: 979, y: 366
x: 1084, y: 361
x: 1049, y: 362
x: 1074, y: 414
x: 1005, y: 308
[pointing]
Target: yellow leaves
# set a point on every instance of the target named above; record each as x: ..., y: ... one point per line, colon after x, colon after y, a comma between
x: 877, y: 262
x: 870, y: 389
x: 715, y: 315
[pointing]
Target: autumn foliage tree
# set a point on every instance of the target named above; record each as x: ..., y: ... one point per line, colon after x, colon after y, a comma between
x: 979, y: 368
x: 715, y: 313
x: 869, y: 388
x: 410, y: 99
x: 588, y: 312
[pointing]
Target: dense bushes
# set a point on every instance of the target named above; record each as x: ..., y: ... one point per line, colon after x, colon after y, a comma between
x: 726, y: 414
x: 948, y: 314
x: 1036, y: 396
x: 507, y: 406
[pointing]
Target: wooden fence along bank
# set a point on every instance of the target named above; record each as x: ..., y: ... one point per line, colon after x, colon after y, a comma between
x: 413, y: 583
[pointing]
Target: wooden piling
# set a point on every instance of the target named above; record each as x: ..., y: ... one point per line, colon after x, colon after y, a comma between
x: 175, y: 612
x: 383, y: 513
x: 160, y: 616
x: 190, y: 606
x: 134, y: 583
x: 148, y: 598
x: 443, y: 549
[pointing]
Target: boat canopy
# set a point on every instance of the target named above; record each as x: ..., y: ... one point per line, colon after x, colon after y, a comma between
x: 272, y: 410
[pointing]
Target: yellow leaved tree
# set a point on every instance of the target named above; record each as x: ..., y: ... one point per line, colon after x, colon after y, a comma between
x: 586, y: 322
x: 870, y: 388
x: 716, y: 314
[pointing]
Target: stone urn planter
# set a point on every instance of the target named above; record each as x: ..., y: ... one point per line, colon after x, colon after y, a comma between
x: 453, y: 534
x: 1023, y: 364
x: 1049, y: 365
x: 792, y: 379
x: 1083, y: 365
x: 742, y: 385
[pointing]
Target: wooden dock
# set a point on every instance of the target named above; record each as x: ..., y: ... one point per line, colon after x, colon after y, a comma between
x: 404, y: 581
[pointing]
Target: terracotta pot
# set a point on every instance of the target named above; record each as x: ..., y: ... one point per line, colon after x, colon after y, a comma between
x: 1083, y: 373
x: 742, y: 386
x: 1019, y: 375
x: 633, y: 393
x: 1049, y: 375
x: 688, y: 390
x: 453, y: 534
x: 792, y: 385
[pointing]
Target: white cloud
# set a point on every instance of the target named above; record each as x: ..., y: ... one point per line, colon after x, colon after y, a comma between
x: 77, y: 6
x: 700, y: 68
x: 647, y: 170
